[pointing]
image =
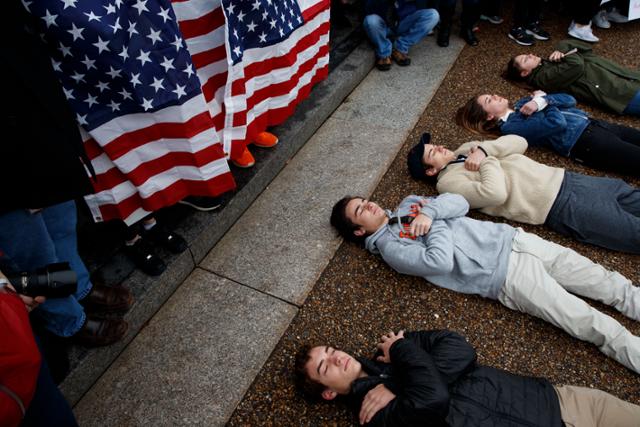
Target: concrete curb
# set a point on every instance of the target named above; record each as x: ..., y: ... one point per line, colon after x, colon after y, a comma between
x: 203, y: 230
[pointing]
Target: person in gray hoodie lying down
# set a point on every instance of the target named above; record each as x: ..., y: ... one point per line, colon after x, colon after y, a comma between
x: 431, y: 237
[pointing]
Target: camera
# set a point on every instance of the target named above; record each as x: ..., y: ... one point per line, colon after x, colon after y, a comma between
x: 51, y: 281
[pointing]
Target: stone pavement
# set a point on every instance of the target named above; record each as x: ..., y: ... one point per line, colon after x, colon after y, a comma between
x: 199, y: 354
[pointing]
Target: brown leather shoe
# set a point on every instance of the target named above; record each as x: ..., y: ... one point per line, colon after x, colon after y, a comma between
x: 107, y: 298
x: 100, y: 332
x: 401, y: 59
x: 383, y: 64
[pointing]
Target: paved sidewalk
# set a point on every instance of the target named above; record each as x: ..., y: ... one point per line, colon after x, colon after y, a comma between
x: 195, y: 360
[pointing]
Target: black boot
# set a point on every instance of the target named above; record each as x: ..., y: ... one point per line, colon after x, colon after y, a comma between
x: 468, y: 36
x: 443, y: 36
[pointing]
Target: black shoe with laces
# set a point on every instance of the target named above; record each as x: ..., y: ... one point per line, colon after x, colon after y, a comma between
x: 161, y: 235
x: 537, y: 32
x: 145, y: 258
x: 520, y: 36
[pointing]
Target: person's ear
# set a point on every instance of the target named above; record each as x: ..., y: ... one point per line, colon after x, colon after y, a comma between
x: 431, y: 171
x: 328, y: 394
x: 359, y: 232
x: 490, y: 117
x: 525, y: 73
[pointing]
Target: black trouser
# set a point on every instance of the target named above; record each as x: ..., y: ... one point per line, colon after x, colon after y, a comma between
x: 491, y: 7
x: 526, y: 12
x: 609, y: 146
x: 581, y: 11
x: 469, y: 16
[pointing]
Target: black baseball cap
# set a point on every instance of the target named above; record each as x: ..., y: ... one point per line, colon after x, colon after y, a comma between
x: 414, y: 158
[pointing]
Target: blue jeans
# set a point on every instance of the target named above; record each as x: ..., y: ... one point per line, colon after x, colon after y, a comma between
x: 409, y: 31
x: 31, y: 241
x: 633, y: 109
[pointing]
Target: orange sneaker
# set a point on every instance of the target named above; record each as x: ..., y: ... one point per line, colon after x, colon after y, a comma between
x: 265, y: 140
x: 245, y: 160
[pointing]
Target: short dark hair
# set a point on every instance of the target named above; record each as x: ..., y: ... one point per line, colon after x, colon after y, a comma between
x: 417, y: 169
x: 512, y: 74
x: 344, y: 225
x: 309, y: 388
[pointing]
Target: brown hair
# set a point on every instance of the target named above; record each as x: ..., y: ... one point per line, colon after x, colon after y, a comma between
x: 342, y: 223
x: 472, y: 117
x: 512, y: 74
x: 309, y: 388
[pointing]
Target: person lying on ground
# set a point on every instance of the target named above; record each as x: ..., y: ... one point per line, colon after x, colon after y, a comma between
x: 432, y: 378
x: 433, y: 239
x: 575, y: 69
x: 552, y: 120
x: 497, y: 178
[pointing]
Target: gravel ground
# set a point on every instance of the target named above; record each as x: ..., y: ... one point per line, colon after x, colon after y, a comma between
x: 358, y: 297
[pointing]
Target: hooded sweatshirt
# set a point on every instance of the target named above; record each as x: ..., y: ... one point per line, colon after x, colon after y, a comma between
x: 458, y: 253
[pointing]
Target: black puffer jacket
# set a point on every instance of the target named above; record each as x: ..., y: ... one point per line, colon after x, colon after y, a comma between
x: 437, y: 383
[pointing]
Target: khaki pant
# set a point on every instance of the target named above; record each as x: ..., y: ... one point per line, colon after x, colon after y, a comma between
x: 586, y: 407
x: 539, y: 278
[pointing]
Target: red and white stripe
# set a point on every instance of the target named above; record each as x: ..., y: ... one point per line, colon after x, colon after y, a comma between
x: 147, y: 161
x: 266, y: 86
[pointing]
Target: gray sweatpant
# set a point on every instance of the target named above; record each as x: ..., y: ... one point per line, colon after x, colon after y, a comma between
x: 598, y: 210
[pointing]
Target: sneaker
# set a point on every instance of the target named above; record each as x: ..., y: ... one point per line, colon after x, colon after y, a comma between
x: 401, y: 58
x: 202, y: 204
x: 583, y: 33
x: 616, y: 17
x: 520, y: 36
x: 265, y: 140
x: 601, y: 21
x: 245, y: 160
x: 145, y: 258
x: 537, y: 32
x: 492, y: 19
x: 161, y: 235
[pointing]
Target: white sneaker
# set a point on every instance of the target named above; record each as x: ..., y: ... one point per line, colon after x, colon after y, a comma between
x: 600, y: 19
x: 617, y: 17
x: 572, y: 25
x: 583, y: 33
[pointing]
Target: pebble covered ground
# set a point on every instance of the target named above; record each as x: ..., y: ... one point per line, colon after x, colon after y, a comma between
x: 358, y: 297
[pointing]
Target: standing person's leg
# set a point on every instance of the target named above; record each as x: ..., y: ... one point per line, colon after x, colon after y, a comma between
x: 532, y: 22
x: 470, y: 15
x: 518, y: 32
x: 413, y: 28
x: 581, y: 13
x: 25, y: 240
x: 598, y: 210
x: 378, y: 32
x: 531, y: 288
x: 491, y: 11
x: 609, y: 147
x: 61, y: 221
x: 446, y: 10
x: 586, y: 407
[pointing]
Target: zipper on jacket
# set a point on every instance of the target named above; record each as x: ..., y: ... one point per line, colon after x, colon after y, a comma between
x: 501, y: 414
x: 574, y: 114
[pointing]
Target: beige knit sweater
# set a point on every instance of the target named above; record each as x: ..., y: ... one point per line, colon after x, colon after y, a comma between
x: 508, y: 184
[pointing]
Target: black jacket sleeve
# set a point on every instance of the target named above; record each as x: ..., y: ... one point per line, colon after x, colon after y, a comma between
x: 451, y: 353
x: 423, y: 397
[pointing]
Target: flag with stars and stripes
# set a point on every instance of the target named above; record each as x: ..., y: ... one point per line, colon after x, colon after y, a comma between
x: 127, y: 74
x: 256, y: 59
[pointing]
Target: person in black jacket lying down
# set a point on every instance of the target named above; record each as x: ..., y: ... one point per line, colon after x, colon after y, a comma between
x: 432, y: 378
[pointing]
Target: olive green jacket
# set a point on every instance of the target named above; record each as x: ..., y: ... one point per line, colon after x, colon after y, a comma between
x: 588, y: 77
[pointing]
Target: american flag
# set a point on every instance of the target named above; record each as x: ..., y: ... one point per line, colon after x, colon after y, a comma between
x: 256, y: 59
x: 131, y: 81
